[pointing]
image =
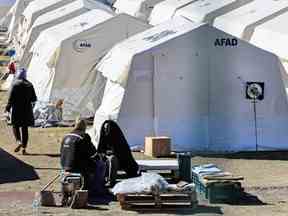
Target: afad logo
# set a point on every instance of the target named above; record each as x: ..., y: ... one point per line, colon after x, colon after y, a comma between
x: 226, y: 42
x: 81, y: 45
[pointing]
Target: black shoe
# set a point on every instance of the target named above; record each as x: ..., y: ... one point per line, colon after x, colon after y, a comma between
x: 24, y: 152
x: 17, y: 149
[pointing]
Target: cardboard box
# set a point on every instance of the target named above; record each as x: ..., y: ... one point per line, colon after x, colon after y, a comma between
x: 157, y: 146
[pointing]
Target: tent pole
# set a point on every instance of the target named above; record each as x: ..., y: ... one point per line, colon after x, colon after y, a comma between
x: 255, y: 123
x: 153, y: 97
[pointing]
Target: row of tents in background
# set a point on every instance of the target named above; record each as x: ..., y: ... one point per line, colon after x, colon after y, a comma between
x: 179, y: 68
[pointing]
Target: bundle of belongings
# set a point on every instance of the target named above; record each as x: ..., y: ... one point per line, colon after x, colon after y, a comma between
x: 152, y: 190
x: 49, y: 115
x: 149, y: 183
x: 146, y: 183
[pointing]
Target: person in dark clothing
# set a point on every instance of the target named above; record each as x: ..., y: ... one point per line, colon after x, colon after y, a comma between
x: 112, y: 141
x: 77, y: 152
x: 20, y: 101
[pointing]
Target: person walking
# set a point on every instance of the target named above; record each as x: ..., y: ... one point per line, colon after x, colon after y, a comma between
x: 20, y: 103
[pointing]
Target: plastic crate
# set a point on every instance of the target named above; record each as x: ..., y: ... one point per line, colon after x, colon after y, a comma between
x: 218, y: 192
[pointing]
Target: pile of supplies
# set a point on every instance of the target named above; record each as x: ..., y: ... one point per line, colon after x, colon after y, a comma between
x: 152, y: 190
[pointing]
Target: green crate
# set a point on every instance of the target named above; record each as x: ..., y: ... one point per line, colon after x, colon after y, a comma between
x: 218, y: 192
x: 224, y: 192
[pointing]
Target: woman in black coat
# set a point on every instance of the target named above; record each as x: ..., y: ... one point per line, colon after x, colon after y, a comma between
x: 113, y: 140
x: 22, y: 96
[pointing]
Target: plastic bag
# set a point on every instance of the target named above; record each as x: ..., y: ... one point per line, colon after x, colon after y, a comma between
x: 146, y: 183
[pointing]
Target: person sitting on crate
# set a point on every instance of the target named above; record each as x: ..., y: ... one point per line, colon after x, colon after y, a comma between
x: 112, y: 142
x: 78, y: 155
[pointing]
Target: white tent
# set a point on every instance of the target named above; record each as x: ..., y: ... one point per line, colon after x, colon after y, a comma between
x: 140, y: 9
x: 178, y: 80
x: 208, y: 10
x: 52, y: 18
x: 3, y: 10
x: 5, y: 5
x: 7, y: 17
x: 165, y: 10
x: 35, y: 9
x: 65, y: 56
x: 242, y: 21
x: 12, y: 17
x: 272, y: 36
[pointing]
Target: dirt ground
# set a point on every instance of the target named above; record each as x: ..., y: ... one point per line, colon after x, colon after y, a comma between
x: 266, y: 178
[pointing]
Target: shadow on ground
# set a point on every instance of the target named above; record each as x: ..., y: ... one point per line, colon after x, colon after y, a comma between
x: 248, y: 199
x: 47, y: 168
x: 48, y: 155
x: 200, y: 209
x: 260, y: 155
x: 14, y: 170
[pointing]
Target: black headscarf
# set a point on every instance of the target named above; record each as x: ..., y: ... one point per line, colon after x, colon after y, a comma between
x: 112, y: 139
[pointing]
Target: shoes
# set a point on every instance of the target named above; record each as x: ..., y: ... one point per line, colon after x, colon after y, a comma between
x: 24, y: 152
x: 17, y: 149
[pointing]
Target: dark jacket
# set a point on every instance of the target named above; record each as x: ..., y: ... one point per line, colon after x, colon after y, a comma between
x: 22, y: 95
x: 116, y: 142
x: 76, y: 151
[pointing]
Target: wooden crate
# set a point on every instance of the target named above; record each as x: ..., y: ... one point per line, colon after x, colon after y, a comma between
x: 158, y: 200
x: 157, y: 146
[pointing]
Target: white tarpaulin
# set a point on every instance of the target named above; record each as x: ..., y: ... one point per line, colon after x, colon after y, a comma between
x: 165, y: 10
x: 188, y: 81
x: 273, y: 36
x: 208, y: 10
x: 137, y: 8
x: 35, y: 9
x: 64, y: 57
x: 52, y: 18
x: 241, y: 22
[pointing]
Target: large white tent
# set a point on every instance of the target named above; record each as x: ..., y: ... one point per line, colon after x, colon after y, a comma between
x: 65, y: 55
x: 5, y: 20
x: 241, y: 22
x: 208, y: 10
x: 165, y: 10
x: 5, y: 5
x: 35, y: 9
x: 140, y: 9
x: 272, y: 36
x: 178, y: 80
x: 12, y: 17
x: 52, y: 18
